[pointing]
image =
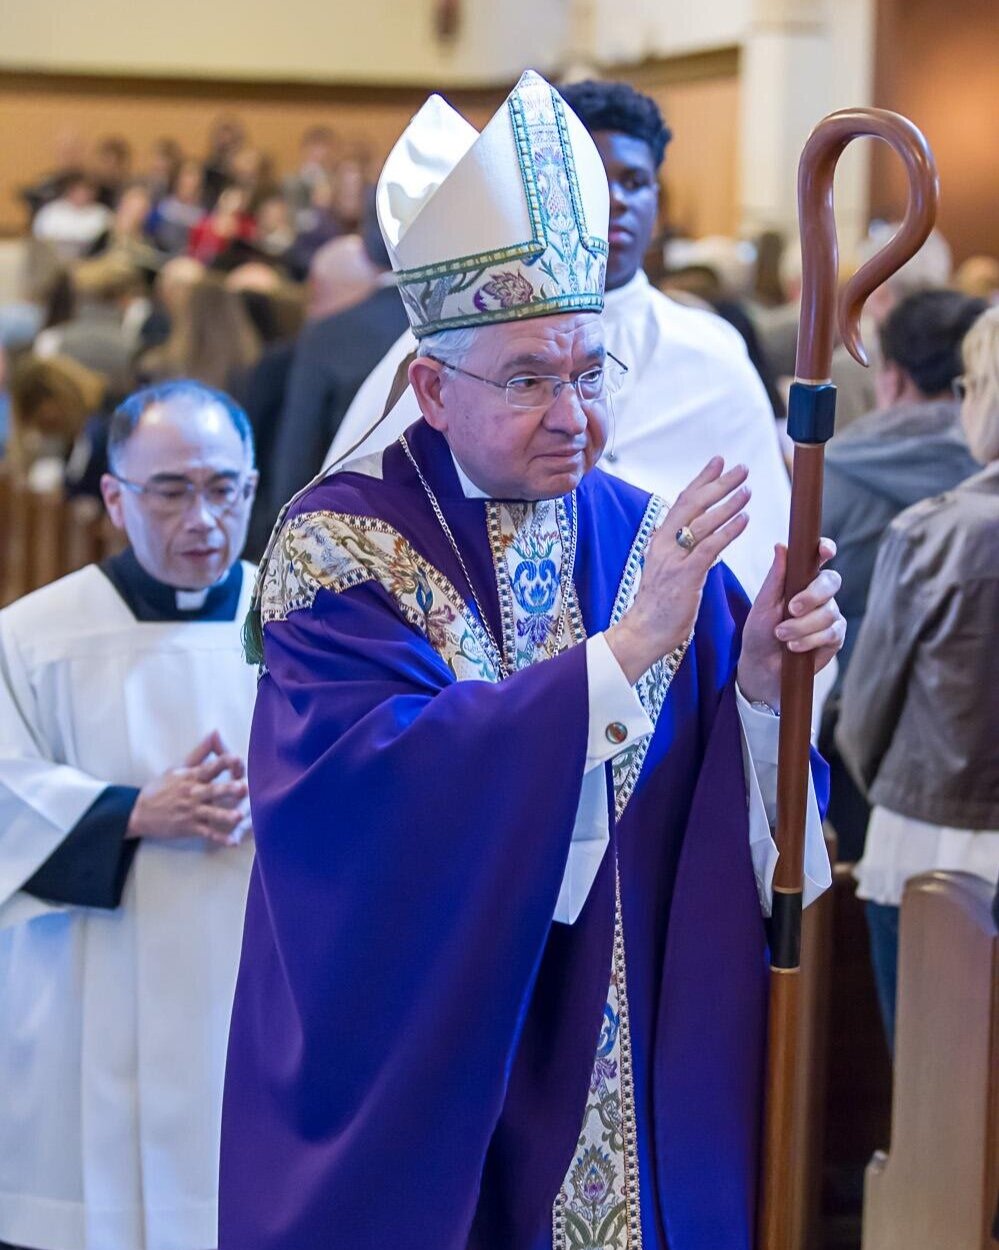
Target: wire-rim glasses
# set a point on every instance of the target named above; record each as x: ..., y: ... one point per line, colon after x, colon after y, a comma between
x: 531, y: 391
x: 173, y: 496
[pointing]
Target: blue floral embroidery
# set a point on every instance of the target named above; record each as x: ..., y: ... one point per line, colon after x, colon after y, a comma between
x: 535, y: 588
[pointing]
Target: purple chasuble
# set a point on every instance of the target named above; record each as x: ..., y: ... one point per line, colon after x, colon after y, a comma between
x: 412, y: 1036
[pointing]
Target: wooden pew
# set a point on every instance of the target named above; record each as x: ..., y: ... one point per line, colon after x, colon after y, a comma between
x: 45, y: 536
x: 936, y: 1187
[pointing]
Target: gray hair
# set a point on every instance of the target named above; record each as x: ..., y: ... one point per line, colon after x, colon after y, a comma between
x: 451, y: 346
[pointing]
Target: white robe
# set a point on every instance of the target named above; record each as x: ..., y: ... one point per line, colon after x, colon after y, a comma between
x: 691, y: 393
x: 113, y: 1024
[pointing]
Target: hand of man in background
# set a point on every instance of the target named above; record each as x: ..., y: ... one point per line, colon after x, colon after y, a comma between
x: 192, y: 801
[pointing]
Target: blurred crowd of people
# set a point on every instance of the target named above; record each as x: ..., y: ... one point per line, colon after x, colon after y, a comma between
x: 181, y: 265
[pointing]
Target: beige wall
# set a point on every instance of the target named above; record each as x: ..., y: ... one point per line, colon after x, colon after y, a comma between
x: 380, y: 41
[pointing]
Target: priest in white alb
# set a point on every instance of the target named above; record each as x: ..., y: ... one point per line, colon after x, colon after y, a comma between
x: 125, y: 846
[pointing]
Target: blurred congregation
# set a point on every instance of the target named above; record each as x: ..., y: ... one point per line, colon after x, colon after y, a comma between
x: 216, y: 223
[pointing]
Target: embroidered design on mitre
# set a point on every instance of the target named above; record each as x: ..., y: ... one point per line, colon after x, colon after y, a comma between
x: 335, y: 551
x: 549, y: 250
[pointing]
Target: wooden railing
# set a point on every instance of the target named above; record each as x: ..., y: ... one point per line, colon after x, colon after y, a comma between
x: 43, y: 536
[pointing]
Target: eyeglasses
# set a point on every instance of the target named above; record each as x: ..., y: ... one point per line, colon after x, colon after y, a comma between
x: 175, y: 496
x: 533, y: 391
x: 959, y: 386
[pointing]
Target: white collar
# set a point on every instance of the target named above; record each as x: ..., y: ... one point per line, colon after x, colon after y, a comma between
x: 468, y: 487
x: 191, y: 600
x: 633, y: 288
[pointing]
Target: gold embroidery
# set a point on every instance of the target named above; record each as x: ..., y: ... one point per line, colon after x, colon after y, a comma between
x: 335, y: 551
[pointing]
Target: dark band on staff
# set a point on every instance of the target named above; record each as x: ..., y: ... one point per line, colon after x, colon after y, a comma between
x: 784, y: 929
x: 811, y: 412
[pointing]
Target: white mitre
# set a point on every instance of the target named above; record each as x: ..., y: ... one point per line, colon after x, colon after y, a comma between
x: 496, y: 226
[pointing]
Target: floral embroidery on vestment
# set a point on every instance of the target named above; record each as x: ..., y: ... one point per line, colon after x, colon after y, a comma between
x: 334, y: 551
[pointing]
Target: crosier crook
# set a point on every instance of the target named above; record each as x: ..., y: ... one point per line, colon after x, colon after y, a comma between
x: 810, y: 422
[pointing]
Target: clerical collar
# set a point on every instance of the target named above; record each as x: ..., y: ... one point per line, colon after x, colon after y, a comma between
x: 470, y: 490
x: 149, y: 599
x: 634, y: 286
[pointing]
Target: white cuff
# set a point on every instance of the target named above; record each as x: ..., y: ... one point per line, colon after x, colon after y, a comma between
x: 760, y: 734
x: 617, y: 718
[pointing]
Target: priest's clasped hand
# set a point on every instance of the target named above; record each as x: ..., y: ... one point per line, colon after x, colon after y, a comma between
x: 707, y: 516
x: 191, y: 801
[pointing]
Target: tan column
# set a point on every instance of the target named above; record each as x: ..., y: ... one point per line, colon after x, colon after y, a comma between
x: 802, y: 59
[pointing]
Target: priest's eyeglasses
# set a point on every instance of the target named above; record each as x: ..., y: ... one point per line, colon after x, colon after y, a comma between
x: 171, y: 496
x: 533, y: 391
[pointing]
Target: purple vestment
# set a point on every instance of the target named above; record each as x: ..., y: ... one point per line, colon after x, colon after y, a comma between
x: 412, y: 1036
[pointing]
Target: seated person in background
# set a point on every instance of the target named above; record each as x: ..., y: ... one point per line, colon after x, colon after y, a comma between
x: 229, y: 224
x: 69, y: 154
x: 110, y: 304
x: 75, y: 221
x: 111, y: 168
x: 124, y: 715
x: 211, y: 337
x: 51, y: 403
x: 176, y: 214
x: 275, y: 227
x: 124, y: 246
x: 165, y: 158
x: 226, y: 137
x: 910, y: 447
x: 315, y: 169
x: 920, y: 717
x: 979, y: 276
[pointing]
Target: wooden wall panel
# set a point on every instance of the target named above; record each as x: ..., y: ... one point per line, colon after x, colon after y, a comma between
x: 937, y: 64
x: 702, y: 161
x: 702, y: 108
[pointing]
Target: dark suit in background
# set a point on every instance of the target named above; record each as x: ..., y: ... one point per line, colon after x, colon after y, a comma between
x: 332, y: 358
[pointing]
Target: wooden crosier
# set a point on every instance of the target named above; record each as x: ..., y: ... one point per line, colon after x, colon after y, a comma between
x: 811, y: 417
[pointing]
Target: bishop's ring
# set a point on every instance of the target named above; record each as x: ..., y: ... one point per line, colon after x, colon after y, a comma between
x: 685, y: 538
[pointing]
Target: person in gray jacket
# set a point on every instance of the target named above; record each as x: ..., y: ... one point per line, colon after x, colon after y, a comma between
x: 909, y: 448
x: 920, y: 719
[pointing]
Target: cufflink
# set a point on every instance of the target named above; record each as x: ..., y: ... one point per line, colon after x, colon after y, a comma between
x: 616, y: 732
